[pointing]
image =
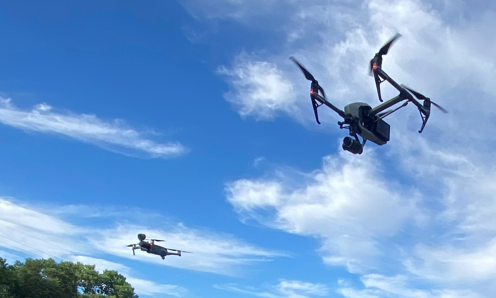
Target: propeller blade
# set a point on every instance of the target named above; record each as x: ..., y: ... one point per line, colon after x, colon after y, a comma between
x: 179, y: 250
x: 439, y: 107
x: 130, y: 245
x: 385, y: 48
x: 421, y: 96
x: 417, y: 94
x: 307, y: 74
x: 322, y: 91
x: 157, y: 240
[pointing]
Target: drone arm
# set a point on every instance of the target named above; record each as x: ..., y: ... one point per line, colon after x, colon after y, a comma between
x: 323, y: 101
x: 381, y: 73
x: 404, y: 95
x: 386, y: 105
x: 390, y: 112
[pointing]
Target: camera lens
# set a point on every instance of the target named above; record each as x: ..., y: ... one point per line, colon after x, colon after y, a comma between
x: 352, y: 146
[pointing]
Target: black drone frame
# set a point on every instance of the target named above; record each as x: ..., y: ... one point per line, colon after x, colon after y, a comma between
x: 378, y: 113
x: 138, y: 246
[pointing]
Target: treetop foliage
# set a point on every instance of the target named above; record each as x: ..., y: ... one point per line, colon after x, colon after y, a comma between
x: 40, y: 278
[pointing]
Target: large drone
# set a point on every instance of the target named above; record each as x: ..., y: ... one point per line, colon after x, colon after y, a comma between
x: 360, y: 118
x: 152, y: 248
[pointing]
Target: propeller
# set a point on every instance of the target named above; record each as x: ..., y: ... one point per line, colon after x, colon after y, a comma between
x: 157, y: 240
x: 314, y: 87
x: 426, y: 99
x: 180, y: 250
x: 376, y: 62
x: 133, y: 246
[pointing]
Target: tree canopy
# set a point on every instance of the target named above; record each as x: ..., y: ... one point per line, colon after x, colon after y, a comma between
x: 41, y: 278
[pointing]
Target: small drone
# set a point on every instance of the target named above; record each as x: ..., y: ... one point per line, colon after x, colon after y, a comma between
x: 361, y: 118
x: 154, y: 249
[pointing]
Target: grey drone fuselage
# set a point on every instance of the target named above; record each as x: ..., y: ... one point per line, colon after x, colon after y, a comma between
x: 366, y: 124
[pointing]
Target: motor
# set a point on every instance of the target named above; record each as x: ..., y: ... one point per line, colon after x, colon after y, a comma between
x: 352, y: 146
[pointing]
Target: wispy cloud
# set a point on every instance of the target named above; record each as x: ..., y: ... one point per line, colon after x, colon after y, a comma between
x: 111, y: 135
x: 240, y: 10
x: 260, y: 89
x: 447, y: 56
x: 351, y: 221
x: 380, y: 286
x: 284, y: 289
x: 41, y: 232
x: 10, y: 257
x: 212, y: 252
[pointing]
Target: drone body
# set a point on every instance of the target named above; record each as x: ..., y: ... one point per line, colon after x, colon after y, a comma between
x: 152, y: 248
x: 360, y: 118
x: 369, y: 126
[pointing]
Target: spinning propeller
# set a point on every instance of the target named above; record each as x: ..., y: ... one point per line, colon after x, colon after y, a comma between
x: 314, y: 87
x: 427, y: 100
x: 376, y: 63
x: 133, y: 246
x: 426, y: 106
x: 178, y: 250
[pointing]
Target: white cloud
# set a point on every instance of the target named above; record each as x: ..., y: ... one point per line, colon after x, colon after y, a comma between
x: 40, y: 233
x: 284, y: 289
x: 212, y: 252
x: 12, y: 213
x: 30, y: 231
x: 380, y: 286
x: 239, y: 10
x: 456, y: 265
x: 348, y: 35
x: 10, y: 257
x: 141, y: 286
x: 299, y: 289
x: 447, y: 55
x: 114, y: 136
x: 260, y: 89
x: 348, y: 204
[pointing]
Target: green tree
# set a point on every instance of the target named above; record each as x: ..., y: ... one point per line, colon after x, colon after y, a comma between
x: 46, y: 278
x: 113, y: 284
x: 49, y: 279
x: 87, y: 278
x: 7, y: 281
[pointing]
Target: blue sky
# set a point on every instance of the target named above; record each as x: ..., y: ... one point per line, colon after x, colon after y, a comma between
x: 185, y: 120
